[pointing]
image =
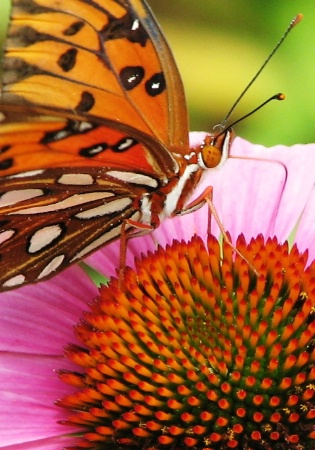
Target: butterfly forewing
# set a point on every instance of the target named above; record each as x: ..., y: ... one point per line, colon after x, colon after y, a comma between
x: 97, y: 61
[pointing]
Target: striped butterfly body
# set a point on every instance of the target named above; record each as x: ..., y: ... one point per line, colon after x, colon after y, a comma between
x: 94, y: 135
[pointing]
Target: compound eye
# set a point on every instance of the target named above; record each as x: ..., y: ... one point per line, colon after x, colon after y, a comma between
x: 210, y: 156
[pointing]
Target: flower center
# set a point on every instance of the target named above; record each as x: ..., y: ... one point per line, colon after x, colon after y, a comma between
x: 199, y: 352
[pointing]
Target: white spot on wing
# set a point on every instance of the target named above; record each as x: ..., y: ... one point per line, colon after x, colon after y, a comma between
x: 132, y: 177
x: 30, y: 173
x: 155, y: 85
x: 15, y: 196
x: 128, y: 141
x: 111, y: 234
x: 14, y: 281
x: 5, y: 235
x: 51, y: 267
x: 74, y: 200
x: 76, y: 179
x: 60, y: 134
x: 43, y: 237
x: 109, y: 208
x: 135, y: 25
x: 84, y: 126
x: 96, y: 150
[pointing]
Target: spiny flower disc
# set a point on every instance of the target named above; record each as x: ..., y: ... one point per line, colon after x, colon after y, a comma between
x: 200, y: 352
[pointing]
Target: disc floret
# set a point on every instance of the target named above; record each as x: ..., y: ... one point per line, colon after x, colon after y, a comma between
x: 200, y: 352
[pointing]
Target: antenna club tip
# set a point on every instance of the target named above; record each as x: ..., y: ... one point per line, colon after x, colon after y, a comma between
x: 280, y: 96
x: 297, y: 19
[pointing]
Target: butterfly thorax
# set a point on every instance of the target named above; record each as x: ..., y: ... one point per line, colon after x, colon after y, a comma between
x: 170, y: 199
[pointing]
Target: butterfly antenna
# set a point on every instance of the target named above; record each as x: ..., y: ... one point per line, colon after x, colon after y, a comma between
x: 293, y: 23
x: 279, y: 96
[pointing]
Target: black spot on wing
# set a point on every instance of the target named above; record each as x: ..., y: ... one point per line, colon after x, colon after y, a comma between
x: 6, y: 164
x: 74, y: 28
x: 155, y: 85
x: 93, y: 150
x: 68, y: 59
x: 57, y: 135
x: 72, y: 128
x: 131, y: 76
x: 86, y: 103
x: 5, y: 148
x: 124, y: 144
x: 127, y: 27
x: 121, y: 146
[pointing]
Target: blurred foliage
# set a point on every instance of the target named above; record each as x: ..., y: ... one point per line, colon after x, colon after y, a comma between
x: 220, y: 44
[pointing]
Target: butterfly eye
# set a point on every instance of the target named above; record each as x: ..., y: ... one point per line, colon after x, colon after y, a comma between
x: 215, y: 149
x: 211, y: 156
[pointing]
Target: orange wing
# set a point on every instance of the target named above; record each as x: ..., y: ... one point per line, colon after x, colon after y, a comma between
x: 53, y: 143
x: 105, y: 62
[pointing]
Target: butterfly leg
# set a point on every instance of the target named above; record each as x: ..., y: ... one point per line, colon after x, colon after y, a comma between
x: 143, y: 229
x: 206, y: 197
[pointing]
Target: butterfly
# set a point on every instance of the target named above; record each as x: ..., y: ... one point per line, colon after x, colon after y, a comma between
x: 94, y: 133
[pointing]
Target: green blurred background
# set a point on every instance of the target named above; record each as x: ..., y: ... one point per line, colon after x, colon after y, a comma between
x: 220, y: 44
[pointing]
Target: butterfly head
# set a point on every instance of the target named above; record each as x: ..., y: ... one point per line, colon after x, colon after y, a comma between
x: 215, y: 149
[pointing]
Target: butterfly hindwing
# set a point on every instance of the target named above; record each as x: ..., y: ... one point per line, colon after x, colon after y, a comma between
x: 52, y: 217
x: 47, y: 142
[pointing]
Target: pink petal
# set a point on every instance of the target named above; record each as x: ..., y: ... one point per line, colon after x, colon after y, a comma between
x: 244, y: 201
x: 29, y: 388
x: 36, y: 323
x: 43, y: 315
x: 51, y: 443
x: 298, y: 161
x: 305, y: 235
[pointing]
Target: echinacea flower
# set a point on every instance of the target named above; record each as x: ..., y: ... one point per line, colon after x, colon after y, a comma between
x: 195, y: 353
x: 198, y: 354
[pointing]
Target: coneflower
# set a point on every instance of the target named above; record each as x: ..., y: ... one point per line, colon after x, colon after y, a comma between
x: 200, y: 352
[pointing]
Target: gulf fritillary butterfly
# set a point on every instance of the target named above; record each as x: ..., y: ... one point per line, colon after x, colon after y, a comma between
x: 94, y: 136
